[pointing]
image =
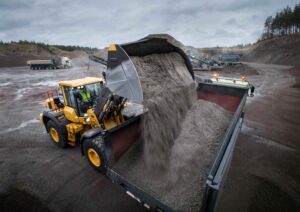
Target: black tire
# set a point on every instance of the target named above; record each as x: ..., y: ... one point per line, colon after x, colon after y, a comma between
x: 97, y: 145
x: 61, y: 140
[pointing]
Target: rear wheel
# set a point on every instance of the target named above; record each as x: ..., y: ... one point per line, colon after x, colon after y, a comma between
x: 56, y: 134
x: 94, y: 151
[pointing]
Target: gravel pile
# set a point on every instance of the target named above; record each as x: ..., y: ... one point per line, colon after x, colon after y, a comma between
x: 180, y: 138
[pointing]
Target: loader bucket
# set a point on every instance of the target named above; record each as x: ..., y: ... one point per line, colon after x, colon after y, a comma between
x: 122, y: 77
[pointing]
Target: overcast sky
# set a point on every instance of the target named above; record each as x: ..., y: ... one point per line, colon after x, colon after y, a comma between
x: 97, y: 23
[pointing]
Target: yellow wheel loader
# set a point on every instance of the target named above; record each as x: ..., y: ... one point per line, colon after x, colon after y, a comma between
x: 104, y: 114
x: 84, y: 113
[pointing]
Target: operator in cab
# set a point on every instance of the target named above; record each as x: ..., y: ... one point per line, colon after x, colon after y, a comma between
x: 86, y: 98
x: 85, y: 95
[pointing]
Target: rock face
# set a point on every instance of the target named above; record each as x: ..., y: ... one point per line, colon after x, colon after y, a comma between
x: 181, y: 134
x: 283, y: 50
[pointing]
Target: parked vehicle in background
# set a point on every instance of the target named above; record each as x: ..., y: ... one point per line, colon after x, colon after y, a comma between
x: 55, y: 63
x: 230, y: 58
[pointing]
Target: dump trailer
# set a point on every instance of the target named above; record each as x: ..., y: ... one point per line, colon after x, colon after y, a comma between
x: 230, y: 94
x: 55, y: 63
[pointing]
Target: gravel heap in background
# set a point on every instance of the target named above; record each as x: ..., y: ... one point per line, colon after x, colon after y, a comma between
x: 181, y: 134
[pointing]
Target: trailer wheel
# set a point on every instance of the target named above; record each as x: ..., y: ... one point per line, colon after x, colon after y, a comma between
x: 56, y: 134
x: 94, y: 151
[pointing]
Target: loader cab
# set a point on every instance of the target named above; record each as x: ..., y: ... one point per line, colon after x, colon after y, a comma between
x: 80, y: 95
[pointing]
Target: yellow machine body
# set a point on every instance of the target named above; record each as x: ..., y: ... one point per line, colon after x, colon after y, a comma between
x: 77, y: 124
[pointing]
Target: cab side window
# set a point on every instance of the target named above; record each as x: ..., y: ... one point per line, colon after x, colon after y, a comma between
x: 70, y: 97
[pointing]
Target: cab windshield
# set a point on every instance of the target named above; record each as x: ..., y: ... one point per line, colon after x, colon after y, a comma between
x: 86, y: 96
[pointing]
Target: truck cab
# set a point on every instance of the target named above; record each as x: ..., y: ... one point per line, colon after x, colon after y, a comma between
x: 66, y: 62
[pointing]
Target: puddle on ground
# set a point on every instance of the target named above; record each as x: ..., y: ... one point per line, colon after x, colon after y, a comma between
x: 15, y: 199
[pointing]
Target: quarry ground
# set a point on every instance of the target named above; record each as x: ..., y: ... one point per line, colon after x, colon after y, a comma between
x: 36, y: 175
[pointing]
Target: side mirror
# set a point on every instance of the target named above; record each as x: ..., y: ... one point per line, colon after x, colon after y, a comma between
x: 104, y: 75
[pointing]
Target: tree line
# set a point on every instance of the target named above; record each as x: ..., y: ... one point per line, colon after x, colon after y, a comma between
x: 49, y: 47
x: 285, y: 22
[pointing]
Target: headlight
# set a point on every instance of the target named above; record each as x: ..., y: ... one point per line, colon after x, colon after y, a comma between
x: 86, y: 117
x: 215, y: 75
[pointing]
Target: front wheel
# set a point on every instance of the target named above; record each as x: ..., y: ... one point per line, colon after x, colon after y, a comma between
x: 94, y: 151
x: 56, y: 134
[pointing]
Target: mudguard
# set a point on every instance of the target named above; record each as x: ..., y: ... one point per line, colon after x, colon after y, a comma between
x: 50, y: 115
x: 89, y: 134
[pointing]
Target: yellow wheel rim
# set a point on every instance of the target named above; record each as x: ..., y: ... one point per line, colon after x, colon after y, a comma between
x: 94, y: 157
x: 54, y: 135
